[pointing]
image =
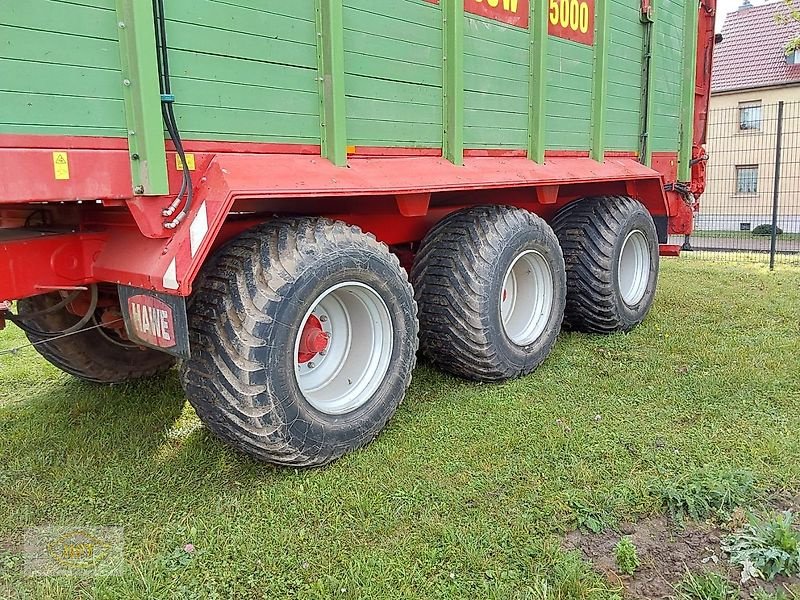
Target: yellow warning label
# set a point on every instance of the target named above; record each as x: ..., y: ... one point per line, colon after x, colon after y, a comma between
x: 351, y: 149
x: 189, y: 161
x: 60, y: 165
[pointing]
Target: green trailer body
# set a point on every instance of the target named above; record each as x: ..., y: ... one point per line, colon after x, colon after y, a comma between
x: 253, y: 71
x: 293, y: 197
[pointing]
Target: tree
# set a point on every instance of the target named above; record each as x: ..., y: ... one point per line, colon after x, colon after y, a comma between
x: 793, y: 14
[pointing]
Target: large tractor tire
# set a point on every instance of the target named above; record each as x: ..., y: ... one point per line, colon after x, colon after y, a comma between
x: 610, y: 248
x: 491, y: 288
x: 93, y: 355
x: 304, y: 336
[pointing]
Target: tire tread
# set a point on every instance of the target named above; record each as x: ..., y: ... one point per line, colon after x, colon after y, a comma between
x: 588, y: 230
x: 452, y: 277
x: 88, y: 355
x: 244, y: 278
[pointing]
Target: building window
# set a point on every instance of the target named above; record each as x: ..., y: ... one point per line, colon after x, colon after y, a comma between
x: 750, y: 116
x: 747, y: 179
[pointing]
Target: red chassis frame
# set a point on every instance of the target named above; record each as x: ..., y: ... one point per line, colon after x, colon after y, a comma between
x: 90, y: 228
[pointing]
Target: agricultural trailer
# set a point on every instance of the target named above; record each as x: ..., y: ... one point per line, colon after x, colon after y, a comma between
x: 291, y: 199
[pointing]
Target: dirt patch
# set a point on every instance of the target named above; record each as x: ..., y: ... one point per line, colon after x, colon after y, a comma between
x: 666, y: 551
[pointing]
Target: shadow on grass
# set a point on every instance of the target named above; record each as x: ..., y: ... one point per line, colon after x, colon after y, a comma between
x: 134, y: 454
x: 132, y: 415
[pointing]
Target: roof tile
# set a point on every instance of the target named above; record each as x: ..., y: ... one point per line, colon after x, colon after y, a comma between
x: 751, y: 53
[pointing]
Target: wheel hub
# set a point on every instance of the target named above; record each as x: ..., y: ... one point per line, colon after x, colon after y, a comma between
x: 526, y: 298
x: 313, y: 340
x: 633, y: 268
x: 343, y: 348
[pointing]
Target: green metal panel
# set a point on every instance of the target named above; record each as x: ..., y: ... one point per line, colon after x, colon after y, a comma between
x: 496, y: 82
x: 240, y: 71
x: 600, y: 81
x: 453, y: 97
x: 60, y: 66
x: 568, y: 103
x: 625, y: 63
x: 142, y: 97
x: 666, y: 91
x: 245, y: 70
x: 330, y: 53
x: 537, y: 88
x: 409, y: 73
x: 688, y: 89
x: 393, y: 73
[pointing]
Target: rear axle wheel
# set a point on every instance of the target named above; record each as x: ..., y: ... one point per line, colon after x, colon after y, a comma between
x: 92, y: 355
x: 491, y: 289
x: 610, y: 248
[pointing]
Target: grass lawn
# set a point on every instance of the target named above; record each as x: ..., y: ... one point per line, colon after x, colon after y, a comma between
x: 744, y: 235
x: 468, y: 492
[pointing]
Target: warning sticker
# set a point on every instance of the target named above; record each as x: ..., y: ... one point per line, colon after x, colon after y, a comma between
x: 60, y: 165
x: 189, y: 161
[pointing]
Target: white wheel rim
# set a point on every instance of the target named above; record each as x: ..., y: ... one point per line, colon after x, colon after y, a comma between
x: 526, y: 299
x: 633, y: 272
x: 358, y: 340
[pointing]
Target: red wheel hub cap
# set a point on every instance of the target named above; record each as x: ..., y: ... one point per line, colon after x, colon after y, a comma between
x: 313, y: 340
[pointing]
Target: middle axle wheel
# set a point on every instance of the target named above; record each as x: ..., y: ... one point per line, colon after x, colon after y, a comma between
x: 490, y: 283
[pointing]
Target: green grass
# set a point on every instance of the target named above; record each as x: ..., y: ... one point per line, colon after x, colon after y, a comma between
x: 743, y: 235
x: 788, y: 594
x: 465, y: 495
x: 706, y: 586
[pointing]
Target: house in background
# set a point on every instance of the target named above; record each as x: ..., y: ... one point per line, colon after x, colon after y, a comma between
x: 751, y: 74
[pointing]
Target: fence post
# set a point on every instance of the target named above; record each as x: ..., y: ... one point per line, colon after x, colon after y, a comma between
x: 776, y: 187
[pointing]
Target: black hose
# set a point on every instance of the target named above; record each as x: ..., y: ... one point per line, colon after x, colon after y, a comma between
x: 55, y: 307
x: 19, y: 320
x: 162, y: 34
x: 165, y: 85
x: 110, y: 339
x: 187, y: 178
x: 173, y: 135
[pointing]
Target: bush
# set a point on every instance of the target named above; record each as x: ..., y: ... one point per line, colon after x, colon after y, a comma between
x: 766, y: 549
x: 766, y: 229
x: 626, y: 556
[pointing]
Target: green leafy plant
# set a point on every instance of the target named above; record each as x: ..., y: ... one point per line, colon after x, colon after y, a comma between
x: 9, y: 562
x: 761, y: 594
x: 589, y: 518
x: 766, y: 228
x: 706, y: 586
x: 766, y: 549
x: 706, y: 493
x: 626, y: 556
x: 180, y: 557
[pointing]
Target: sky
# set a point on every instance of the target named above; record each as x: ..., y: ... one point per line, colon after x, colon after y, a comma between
x: 726, y: 6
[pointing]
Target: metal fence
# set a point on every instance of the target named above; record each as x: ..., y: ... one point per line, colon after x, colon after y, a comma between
x: 751, y: 207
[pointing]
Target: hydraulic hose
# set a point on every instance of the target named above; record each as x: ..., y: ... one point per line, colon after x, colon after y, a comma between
x: 19, y: 320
